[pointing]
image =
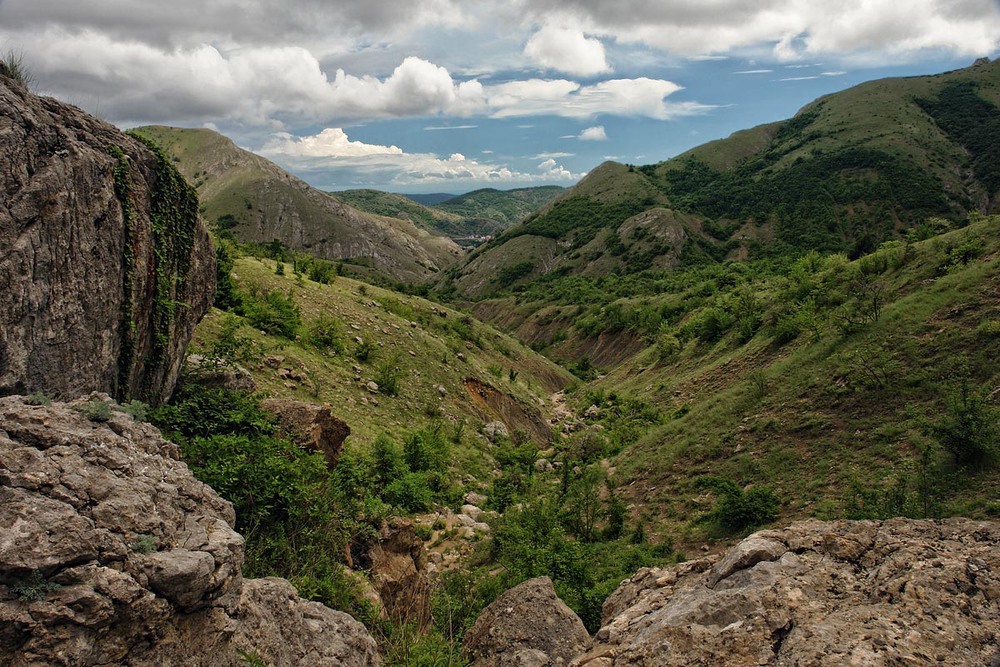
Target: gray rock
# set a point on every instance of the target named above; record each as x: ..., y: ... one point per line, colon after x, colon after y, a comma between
x: 838, y: 593
x: 526, y: 626
x: 77, y: 307
x: 311, y: 426
x: 471, y: 511
x: 112, y: 553
x: 473, y: 498
x: 495, y: 430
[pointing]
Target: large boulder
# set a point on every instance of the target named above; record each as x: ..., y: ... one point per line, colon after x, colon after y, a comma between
x: 105, y: 264
x: 898, y: 592
x: 311, y: 426
x: 528, y: 626
x: 111, y: 552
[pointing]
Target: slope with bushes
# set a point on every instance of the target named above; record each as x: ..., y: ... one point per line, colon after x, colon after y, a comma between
x: 848, y: 172
x: 254, y: 200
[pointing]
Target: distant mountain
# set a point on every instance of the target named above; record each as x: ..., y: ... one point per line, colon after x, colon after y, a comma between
x: 432, y: 199
x: 465, y: 218
x: 260, y: 202
x: 849, y: 171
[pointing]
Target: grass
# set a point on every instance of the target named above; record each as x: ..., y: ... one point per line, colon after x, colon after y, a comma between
x: 418, y: 358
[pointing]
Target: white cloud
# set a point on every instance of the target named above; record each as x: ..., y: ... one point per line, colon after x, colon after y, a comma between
x: 595, y: 133
x: 800, y: 28
x: 755, y: 71
x: 330, y: 143
x: 450, y: 127
x: 548, y: 156
x: 567, y: 50
x: 331, y: 152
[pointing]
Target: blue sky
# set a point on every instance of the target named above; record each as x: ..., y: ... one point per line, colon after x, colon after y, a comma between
x: 450, y: 96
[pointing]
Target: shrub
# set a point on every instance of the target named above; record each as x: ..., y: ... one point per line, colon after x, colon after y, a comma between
x: 38, y: 398
x: 12, y: 66
x: 968, y: 428
x: 737, y: 510
x: 387, y: 375
x: 95, y: 410
x: 137, y: 410
x: 411, y: 492
x: 363, y: 351
x: 327, y: 333
x: 274, y: 313
x: 33, y: 588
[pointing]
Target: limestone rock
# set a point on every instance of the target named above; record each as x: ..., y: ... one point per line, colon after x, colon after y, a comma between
x: 311, y: 426
x: 397, y: 561
x: 111, y: 552
x: 495, y: 430
x: 88, y: 283
x: 897, y: 592
x: 526, y: 626
x: 218, y: 376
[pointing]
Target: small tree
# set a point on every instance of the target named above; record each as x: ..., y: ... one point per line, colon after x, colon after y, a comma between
x: 968, y: 428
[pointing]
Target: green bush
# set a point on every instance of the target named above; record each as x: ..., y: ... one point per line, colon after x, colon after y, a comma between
x: 138, y: 410
x: 968, y: 428
x: 327, y: 333
x: 95, y: 410
x: 274, y: 313
x: 33, y: 588
x: 737, y: 510
x: 387, y: 375
x: 38, y: 398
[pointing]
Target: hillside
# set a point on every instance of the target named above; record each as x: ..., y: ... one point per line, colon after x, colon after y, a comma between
x: 465, y: 218
x: 257, y: 201
x: 849, y: 171
x: 448, y: 366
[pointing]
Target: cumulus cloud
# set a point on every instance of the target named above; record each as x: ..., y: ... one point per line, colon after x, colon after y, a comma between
x: 331, y: 154
x: 567, y: 50
x: 595, y: 133
x: 798, y: 28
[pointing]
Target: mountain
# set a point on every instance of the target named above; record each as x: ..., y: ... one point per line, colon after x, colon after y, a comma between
x: 465, y: 218
x: 850, y: 170
x: 259, y: 202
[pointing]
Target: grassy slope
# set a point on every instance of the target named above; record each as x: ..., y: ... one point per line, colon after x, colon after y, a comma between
x: 264, y: 202
x: 383, y: 318
x: 805, y: 417
x: 844, y: 173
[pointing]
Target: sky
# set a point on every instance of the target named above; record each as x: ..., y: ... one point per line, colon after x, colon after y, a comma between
x: 424, y: 96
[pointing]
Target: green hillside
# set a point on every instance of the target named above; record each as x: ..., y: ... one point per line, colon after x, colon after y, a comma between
x: 466, y: 218
x: 256, y: 201
x: 849, y: 171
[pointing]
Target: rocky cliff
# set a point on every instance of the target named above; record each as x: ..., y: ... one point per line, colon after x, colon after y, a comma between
x: 112, y: 553
x: 105, y: 266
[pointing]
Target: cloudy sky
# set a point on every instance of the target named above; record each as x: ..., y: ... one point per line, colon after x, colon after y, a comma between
x: 453, y: 95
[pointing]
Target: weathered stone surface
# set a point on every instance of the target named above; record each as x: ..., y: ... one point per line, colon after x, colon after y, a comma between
x: 397, y: 561
x: 311, y: 426
x: 88, y: 287
x: 112, y: 553
x: 208, y: 373
x: 898, y: 592
x: 528, y: 626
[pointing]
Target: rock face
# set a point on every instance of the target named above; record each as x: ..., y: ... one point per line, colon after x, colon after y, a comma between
x: 311, y: 426
x: 105, y: 265
x: 398, y: 563
x: 899, y: 592
x: 112, y: 553
x: 528, y: 626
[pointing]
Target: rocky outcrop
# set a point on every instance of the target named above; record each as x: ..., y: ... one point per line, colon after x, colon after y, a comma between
x: 899, y: 592
x: 112, y: 553
x: 105, y: 265
x: 397, y: 561
x: 311, y: 426
x: 528, y: 626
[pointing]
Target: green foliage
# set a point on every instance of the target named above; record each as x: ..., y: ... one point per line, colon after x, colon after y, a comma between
x: 137, y: 410
x: 95, y: 410
x: 737, y: 510
x: 327, y: 333
x: 38, y: 398
x: 580, y: 217
x: 33, y: 587
x: 251, y: 658
x: 144, y: 544
x: 968, y: 428
x: 363, y: 351
x: 227, y: 296
x: 387, y: 375
x: 230, y: 347
x: 272, y: 312
x: 200, y: 412
x: 508, y: 275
